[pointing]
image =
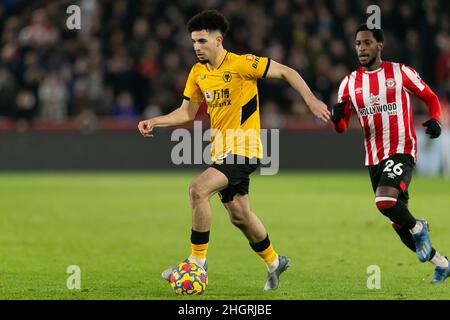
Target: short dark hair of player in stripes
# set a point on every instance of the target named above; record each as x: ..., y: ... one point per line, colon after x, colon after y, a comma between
x: 378, y: 33
x: 210, y: 20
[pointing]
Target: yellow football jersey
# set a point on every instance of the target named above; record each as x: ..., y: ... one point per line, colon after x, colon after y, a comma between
x: 231, y: 94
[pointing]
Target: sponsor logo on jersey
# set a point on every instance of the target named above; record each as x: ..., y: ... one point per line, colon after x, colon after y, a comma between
x: 390, y: 109
x: 218, y: 98
x: 255, y: 64
x: 218, y: 104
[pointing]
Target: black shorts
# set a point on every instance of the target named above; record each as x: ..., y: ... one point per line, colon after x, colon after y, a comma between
x: 395, y: 171
x: 237, y: 169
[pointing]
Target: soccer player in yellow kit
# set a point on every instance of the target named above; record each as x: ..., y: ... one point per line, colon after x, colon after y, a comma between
x: 227, y: 82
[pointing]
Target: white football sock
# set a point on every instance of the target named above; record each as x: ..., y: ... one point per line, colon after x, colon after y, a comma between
x: 274, y: 265
x: 199, y: 261
x: 439, y: 260
x: 417, y: 228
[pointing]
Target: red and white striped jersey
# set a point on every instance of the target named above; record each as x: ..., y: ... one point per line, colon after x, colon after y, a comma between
x: 382, y: 102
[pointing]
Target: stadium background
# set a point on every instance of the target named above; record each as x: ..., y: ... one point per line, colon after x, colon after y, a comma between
x: 131, y: 59
x: 71, y: 100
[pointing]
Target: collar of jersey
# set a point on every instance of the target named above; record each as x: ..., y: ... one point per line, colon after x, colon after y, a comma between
x: 373, y: 71
x: 222, y: 59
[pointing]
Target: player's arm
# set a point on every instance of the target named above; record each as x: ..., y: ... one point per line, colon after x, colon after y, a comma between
x: 279, y: 71
x: 185, y: 113
x: 342, y: 110
x: 413, y: 82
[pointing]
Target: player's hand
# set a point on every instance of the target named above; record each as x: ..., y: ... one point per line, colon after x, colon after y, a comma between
x: 433, y: 128
x: 319, y: 109
x: 146, y: 127
x: 338, y: 112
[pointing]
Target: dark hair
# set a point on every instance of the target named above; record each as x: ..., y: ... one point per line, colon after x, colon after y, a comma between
x: 210, y: 20
x: 377, y: 32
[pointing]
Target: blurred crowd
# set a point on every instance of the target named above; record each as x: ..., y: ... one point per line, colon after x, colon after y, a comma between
x: 131, y: 59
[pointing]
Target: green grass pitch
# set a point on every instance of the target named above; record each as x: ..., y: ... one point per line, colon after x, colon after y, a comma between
x: 123, y: 229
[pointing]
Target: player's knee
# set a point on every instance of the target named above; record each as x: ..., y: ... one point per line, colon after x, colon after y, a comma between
x: 385, y: 203
x: 196, y: 192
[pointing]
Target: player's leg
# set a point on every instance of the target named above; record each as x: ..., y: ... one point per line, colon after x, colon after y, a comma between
x: 386, y: 200
x: 403, y: 232
x: 442, y: 266
x: 390, y: 181
x: 235, y: 199
x: 200, y: 190
x: 243, y: 218
x: 375, y: 173
x: 251, y: 226
x: 392, y: 201
x: 394, y: 181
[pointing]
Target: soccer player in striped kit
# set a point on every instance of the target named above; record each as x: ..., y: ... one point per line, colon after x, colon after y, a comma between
x: 379, y: 93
